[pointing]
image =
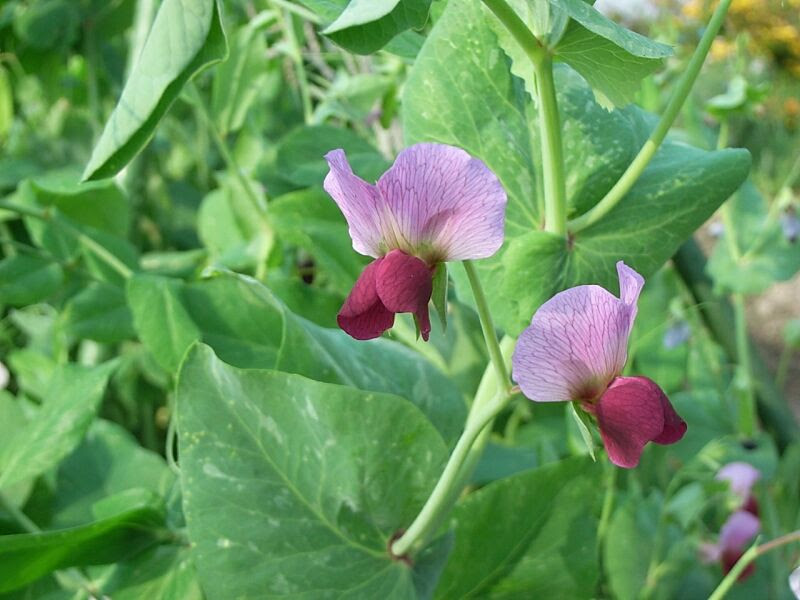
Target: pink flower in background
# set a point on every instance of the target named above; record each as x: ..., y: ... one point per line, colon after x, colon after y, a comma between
x: 742, y: 477
x: 575, y: 349
x: 736, y: 535
x: 794, y: 582
x: 436, y: 203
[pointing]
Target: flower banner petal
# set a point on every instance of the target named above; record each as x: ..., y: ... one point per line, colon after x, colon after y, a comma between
x: 359, y: 202
x: 741, y: 476
x: 363, y: 315
x: 442, y: 199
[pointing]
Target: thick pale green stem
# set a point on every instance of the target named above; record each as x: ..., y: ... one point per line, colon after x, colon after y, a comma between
x: 752, y: 553
x: 746, y: 410
x: 555, y: 191
x: 491, y: 397
x: 636, y: 168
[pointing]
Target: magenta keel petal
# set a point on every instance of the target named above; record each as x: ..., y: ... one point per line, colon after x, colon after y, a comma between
x: 404, y: 284
x: 674, y: 426
x: 629, y: 414
x: 363, y: 315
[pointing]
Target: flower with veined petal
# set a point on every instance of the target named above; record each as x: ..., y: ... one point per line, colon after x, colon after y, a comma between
x: 734, y: 538
x: 435, y: 204
x: 575, y: 349
x: 741, y: 477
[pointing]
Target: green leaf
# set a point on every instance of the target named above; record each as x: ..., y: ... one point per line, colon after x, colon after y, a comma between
x: 365, y: 26
x: 439, y: 294
x: 301, y: 154
x: 238, y: 80
x: 71, y: 402
x: 48, y: 24
x: 628, y: 545
x: 190, y: 34
x: 6, y: 103
x: 311, y: 220
x: 161, y: 572
x: 303, y: 487
x: 161, y: 319
x: 26, y: 279
x: 26, y: 557
x: 543, y: 546
x: 248, y: 327
x: 99, y: 312
x: 108, y: 462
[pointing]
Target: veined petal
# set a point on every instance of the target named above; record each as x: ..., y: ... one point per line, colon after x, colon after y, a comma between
x: 359, y: 202
x: 629, y: 414
x: 577, y: 341
x: 404, y: 284
x: 363, y: 315
x: 741, y: 476
x: 443, y: 202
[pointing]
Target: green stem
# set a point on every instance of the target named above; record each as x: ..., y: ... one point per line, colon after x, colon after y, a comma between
x: 69, y: 579
x: 83, y: 239
x: 608, y: 502
x: 783, y: 366
x: 746, y: 398
x: 491, y: 397
x: 555, y: 190
x: 489, y: 334
x: 636, y: 168
x: 752, y: 553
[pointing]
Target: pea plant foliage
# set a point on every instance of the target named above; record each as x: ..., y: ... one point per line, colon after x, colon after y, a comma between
x: 365, y: 299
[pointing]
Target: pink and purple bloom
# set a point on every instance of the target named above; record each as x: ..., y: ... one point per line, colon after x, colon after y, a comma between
x: 741, y: 477
x: 575, y: 349
x: 436, y: 203
x: 735, y: 536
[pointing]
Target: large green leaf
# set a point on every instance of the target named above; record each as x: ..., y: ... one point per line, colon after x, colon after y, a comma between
x: 119, y: 532
x: 27, y: 279
x: 163, y: 572
x: 186, y: 36
x: 99, y: 312
x: 483, y: 111
x: 528, y: 536
x: 70, y: 403
x: 298, y: 484
x: 248, y: 327
x: 365, y: 26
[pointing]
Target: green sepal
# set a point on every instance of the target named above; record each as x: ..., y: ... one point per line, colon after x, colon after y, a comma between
x: 582, y: 421
x: 439, y: 294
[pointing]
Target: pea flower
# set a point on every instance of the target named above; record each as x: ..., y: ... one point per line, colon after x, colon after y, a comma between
x: 735, y: 536
x: 436, y: 203
x: 575, y: 349
x: 794, y: 582
x: 741, y: 477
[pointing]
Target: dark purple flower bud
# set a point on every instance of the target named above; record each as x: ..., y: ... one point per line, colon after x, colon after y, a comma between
x: 790, y: 225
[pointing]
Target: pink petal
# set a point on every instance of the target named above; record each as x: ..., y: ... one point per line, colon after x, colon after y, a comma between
x: 363, y: 315
x: 577, y: 341
x: 740, y: 528
x: 359, y: 202
x: 741, y: 476
x: 404, y: 284
x: 629, y: 414
x: 441, y: 198
x: 674, y: 426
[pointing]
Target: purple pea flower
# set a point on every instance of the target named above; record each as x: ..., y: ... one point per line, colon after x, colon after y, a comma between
x: 436, y: 203
x: 734, y: 537
x: 742, y: 477
x: 574, y: 350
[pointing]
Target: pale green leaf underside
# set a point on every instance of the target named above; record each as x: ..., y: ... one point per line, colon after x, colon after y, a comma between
x: 297, y: 483
x: 186, y: 36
